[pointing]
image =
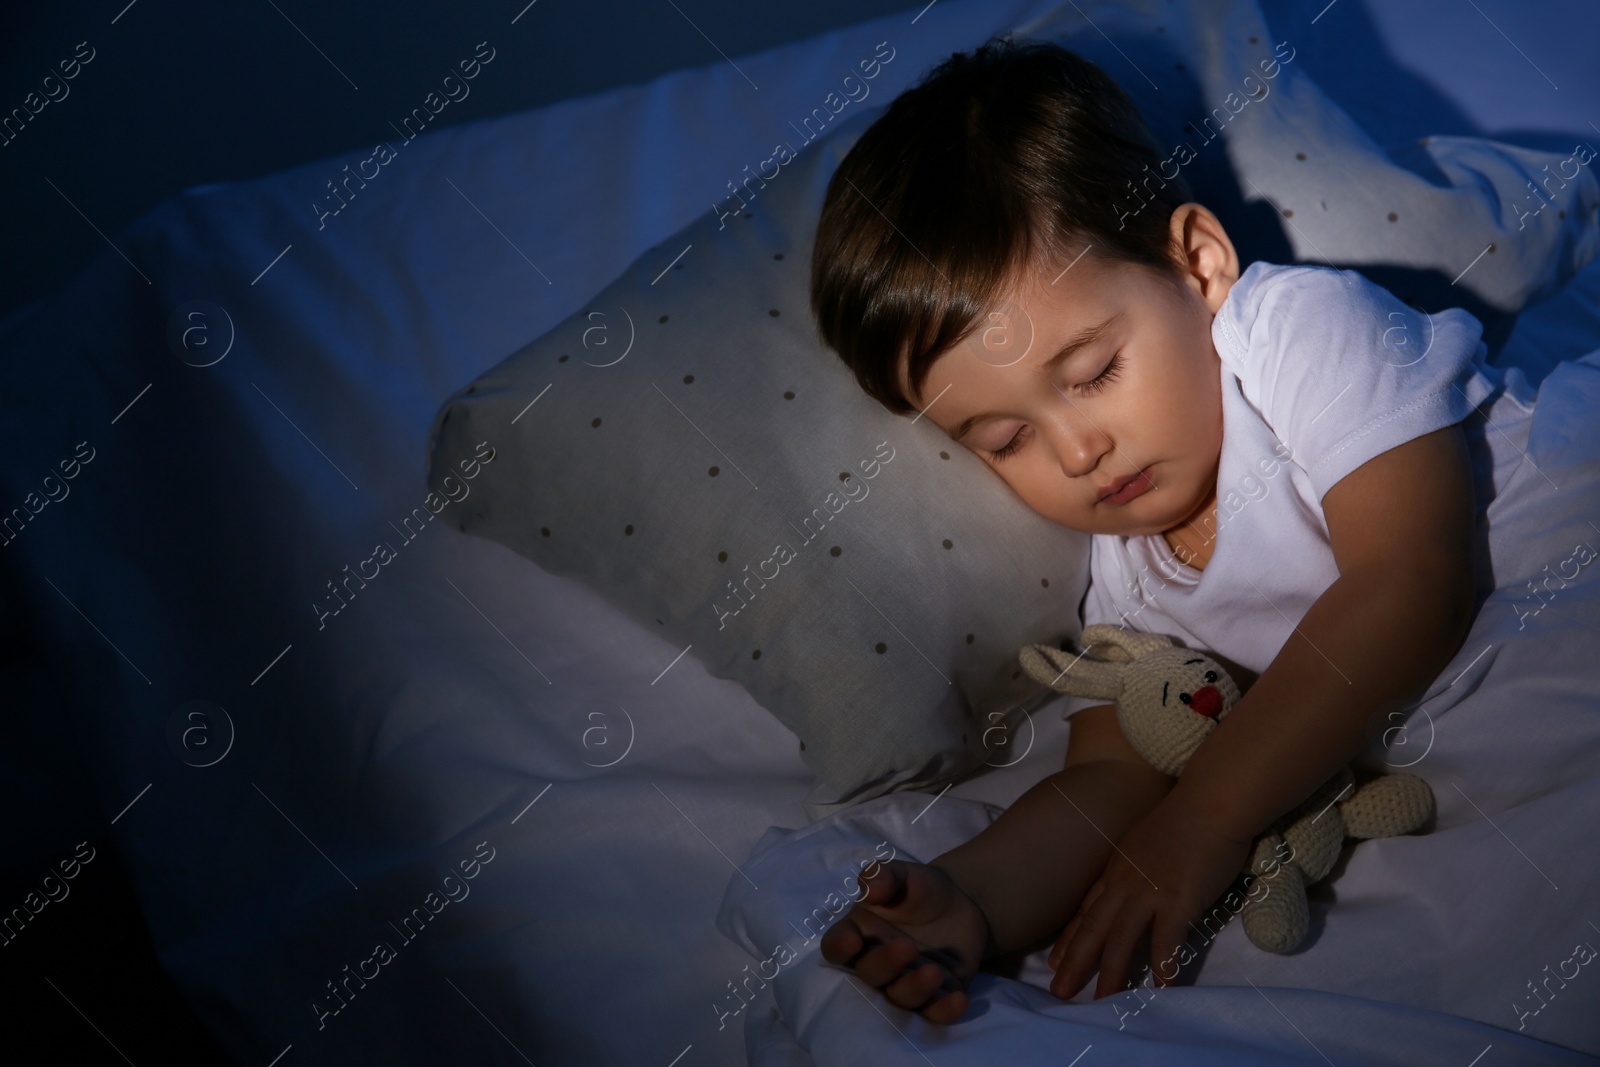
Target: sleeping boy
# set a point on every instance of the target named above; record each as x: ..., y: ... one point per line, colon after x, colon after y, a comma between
x: 1271, y: 462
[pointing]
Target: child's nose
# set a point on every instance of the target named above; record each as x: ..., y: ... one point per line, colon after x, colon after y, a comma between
x: 1080, y: 445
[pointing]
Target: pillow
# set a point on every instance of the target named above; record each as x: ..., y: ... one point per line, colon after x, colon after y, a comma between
x: 686, y: 445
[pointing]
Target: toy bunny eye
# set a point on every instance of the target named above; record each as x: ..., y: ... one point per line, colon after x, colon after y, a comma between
x: 1184, y: 697
x: 1211, y: 676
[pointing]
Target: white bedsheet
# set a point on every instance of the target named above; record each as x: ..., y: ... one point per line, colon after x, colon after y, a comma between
x: 465, y: 696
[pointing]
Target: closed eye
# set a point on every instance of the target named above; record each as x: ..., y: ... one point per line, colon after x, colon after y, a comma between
x: 1164, y: 693
x: 1104, y: 378
x: 1010, y: 446
x: 1093, y: 385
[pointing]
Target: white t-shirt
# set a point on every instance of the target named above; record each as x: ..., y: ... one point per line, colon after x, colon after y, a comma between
x: 1321, y: 371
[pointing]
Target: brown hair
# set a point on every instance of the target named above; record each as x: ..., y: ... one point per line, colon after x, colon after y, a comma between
x: 993, y: 157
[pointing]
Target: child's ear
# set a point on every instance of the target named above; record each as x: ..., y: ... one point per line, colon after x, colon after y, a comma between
x: 1201, y: 242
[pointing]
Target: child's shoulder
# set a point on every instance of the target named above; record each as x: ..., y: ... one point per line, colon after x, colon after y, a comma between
x: 1341, y: 369
x: 1299, y: 289
x: 1275, y: 305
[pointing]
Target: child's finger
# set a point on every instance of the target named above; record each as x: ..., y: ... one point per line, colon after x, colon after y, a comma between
x: 947, y: 1008
x: 1062, y: 941
x: 1065, y: 938
x: 854, y: 933
x: 918, y: 987
x: 1068, y: 932
x: 1166, y: 935
x: 885, y: 886
x: 1092, y: 895
x: 1122, y: 940
x: 1081, y: 955
x: 881, y: 965
x: 930, y: 987
x: 842, y: 941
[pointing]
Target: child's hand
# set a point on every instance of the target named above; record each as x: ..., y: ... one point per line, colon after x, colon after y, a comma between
x: 1165, y: 872
x: 916, y: 935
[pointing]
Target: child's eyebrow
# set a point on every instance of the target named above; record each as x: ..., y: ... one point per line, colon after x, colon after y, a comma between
x: 1082, y: 338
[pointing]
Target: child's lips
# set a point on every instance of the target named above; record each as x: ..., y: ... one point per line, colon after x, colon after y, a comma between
x: 1126, y: 489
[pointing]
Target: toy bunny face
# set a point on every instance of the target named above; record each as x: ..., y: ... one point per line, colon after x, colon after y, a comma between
x: 1171, y: 700
x: 1168, y: 698
x: 1192, y: 681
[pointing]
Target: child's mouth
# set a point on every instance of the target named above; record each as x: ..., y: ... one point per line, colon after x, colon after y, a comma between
x: 1134, y: 485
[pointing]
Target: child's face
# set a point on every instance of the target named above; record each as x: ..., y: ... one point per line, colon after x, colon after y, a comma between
x: 1141, y: 399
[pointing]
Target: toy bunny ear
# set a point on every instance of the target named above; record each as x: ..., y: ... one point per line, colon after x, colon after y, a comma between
x: 1119, y: 645
x: 1070, y: 672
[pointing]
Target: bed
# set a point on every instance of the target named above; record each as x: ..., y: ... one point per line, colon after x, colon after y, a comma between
x: 391, y: 836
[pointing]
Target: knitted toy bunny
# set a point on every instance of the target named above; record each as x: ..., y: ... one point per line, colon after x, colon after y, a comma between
x: 1168, y: 700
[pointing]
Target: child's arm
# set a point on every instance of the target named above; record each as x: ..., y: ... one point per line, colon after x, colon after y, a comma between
x: 920, y: 932
x: 1402, y: 528
x: 1029, y: 869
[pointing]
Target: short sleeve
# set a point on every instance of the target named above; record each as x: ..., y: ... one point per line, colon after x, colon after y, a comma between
x: 1098, y: 603
x: 1097, y: 607
x: 1341, y: 369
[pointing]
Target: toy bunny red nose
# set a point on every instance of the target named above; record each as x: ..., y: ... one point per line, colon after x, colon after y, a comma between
x: 1207, y: 701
